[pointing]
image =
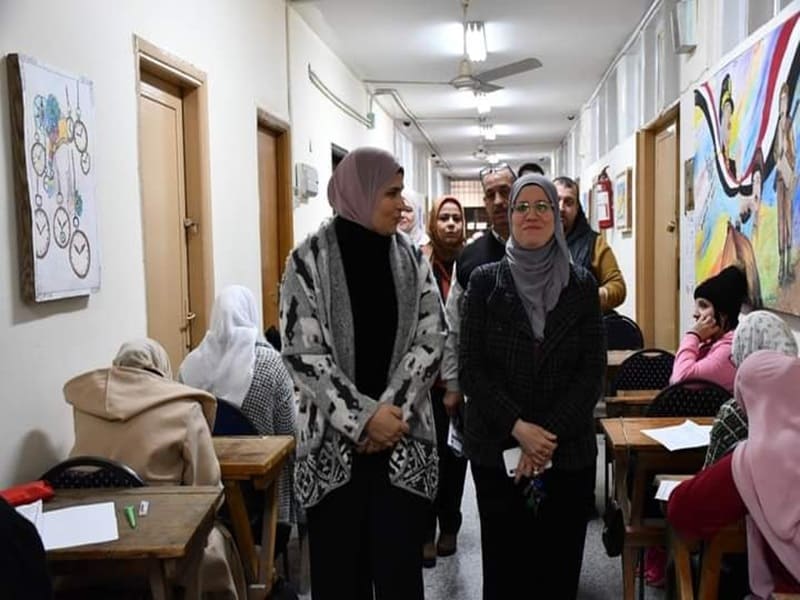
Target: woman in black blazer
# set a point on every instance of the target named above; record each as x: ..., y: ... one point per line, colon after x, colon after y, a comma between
x: 532, y: 359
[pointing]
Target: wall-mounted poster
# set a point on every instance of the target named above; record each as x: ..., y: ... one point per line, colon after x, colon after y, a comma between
x: 745, y: 169
x: 53, y: 129
x: 622, y: 200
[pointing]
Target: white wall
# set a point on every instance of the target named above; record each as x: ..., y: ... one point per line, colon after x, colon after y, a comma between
x: 243, y: 53
x: 621, y: 157
x: 317, y: 122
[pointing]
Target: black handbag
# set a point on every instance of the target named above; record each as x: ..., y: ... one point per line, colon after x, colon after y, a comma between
x: 613, y: 529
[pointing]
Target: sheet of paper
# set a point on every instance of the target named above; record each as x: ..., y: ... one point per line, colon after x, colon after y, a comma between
x: 32, y: 512
x: 455, y: 439
x: 665, y: 489
x: 679, y: 437
x: 79, y: 525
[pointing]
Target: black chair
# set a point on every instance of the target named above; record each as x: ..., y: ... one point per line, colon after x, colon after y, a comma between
x: 648, y: 369
x: 690, y: 398
x: 92, y: 472
x: 230, y: 420
x: 622, y: 333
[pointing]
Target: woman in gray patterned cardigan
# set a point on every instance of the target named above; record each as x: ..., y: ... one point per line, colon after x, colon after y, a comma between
x: 362, y: 329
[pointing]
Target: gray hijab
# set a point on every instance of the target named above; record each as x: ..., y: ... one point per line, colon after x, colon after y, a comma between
x: 539, y: 274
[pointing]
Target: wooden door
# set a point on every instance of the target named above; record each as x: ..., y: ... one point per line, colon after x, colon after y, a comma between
x: 164, y: 216
x: 666, y: 270
x: 269, y: 220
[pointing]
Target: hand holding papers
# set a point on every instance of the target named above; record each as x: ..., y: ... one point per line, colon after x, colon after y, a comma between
x: 679, y: 437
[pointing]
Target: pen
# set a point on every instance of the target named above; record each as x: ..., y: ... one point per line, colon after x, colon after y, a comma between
x: 130, y: 516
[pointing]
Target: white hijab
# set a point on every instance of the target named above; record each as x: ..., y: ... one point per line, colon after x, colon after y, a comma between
x: 223, y: 362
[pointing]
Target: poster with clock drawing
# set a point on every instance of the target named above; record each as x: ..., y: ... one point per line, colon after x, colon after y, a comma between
x: 59, y: 145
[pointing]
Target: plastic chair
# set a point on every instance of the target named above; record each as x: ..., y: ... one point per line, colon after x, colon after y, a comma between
x: 230, y: 420
x: 648, y: 369
x: 622, y: 333
x: 690, y: 398
x: 92, y: 472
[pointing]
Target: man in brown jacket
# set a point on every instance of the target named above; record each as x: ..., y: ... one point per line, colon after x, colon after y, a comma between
x: 136, y: 414
x: 588, y: 248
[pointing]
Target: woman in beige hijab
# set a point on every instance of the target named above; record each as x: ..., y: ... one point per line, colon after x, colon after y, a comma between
x: 136, y: 414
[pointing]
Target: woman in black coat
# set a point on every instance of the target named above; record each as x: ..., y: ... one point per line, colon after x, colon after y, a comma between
x: 532, y: 359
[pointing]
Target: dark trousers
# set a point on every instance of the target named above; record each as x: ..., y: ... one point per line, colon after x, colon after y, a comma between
x: 452, y: 471
x: 367, y: 535
x: 527, y: 555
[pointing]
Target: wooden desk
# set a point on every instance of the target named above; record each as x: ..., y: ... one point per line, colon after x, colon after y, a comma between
x: 629, y: 404
x: 624, y: 438
x: 260, y: 460
x: 175, y: 528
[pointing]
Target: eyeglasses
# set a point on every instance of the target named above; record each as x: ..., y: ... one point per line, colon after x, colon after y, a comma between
x: 541, y: 207
x: 498, y: 168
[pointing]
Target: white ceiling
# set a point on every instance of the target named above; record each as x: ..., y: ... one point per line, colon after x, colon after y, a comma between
x: 575, y: 40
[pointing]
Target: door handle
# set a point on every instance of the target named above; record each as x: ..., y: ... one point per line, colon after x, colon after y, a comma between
x: 190, y: 224
x: 189, y: 318
x: 671, y: 226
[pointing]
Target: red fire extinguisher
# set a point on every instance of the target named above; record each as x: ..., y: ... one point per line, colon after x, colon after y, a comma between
x: 604, y: 200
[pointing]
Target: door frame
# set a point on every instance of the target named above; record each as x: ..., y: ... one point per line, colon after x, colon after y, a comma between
x: 283, y: 146
x: 645, y: 218
x: 151, y: 59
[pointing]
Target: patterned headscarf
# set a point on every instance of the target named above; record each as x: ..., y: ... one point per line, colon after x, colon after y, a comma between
x: 353, y: 187
x: 761, y: 330
x: 146, y: 354
x: 223, y: 363
x: 539, y: 274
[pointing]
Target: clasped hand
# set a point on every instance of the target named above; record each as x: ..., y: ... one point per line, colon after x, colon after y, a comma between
x: 537, y: 445
x: 384, y: 429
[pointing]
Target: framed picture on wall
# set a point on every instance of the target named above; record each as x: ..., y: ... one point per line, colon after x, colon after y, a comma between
x: 53, y: 137
x: 622, y: 201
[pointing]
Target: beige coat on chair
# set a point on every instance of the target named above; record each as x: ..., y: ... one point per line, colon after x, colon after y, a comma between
x: 162, y: 430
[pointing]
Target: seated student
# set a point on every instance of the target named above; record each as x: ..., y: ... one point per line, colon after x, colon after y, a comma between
x: 705, y: 351
x: 235, y: 363
x: 23, y: 567
x: 759, y: 480
x: 136, y: 414
x: 759, y: 330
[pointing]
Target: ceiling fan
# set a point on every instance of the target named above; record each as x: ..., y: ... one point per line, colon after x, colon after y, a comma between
x: 477, y: 82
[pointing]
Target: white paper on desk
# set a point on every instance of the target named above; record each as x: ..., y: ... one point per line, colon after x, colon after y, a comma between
x: 79, y: 525
x: 665, y: 489
x: 679, y: 437
x: 32, y: 512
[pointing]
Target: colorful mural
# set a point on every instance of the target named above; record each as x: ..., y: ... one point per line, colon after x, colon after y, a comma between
x: 745, y: 169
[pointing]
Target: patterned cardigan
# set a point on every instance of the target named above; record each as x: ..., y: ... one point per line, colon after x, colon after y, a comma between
x: 317, y: 347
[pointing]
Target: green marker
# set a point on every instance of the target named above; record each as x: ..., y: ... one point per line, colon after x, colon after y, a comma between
x: 130, y: 515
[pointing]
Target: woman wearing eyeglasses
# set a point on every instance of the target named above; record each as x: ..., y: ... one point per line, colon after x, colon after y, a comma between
x: 532, y: 358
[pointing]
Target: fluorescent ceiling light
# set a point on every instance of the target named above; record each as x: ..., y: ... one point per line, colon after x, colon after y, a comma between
x: 475, y: 35
x: 482, y: 103
x: 488, y: 132
x: 492, y: 158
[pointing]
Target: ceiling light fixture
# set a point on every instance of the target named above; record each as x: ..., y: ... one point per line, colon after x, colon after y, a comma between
x: 487, y: 132
x: 492, y: 158
x: 482, y: 103
x: 475, y: 35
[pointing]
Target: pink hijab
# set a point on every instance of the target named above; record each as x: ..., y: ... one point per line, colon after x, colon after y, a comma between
x: 765, y: 465
x: 353, y: 188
